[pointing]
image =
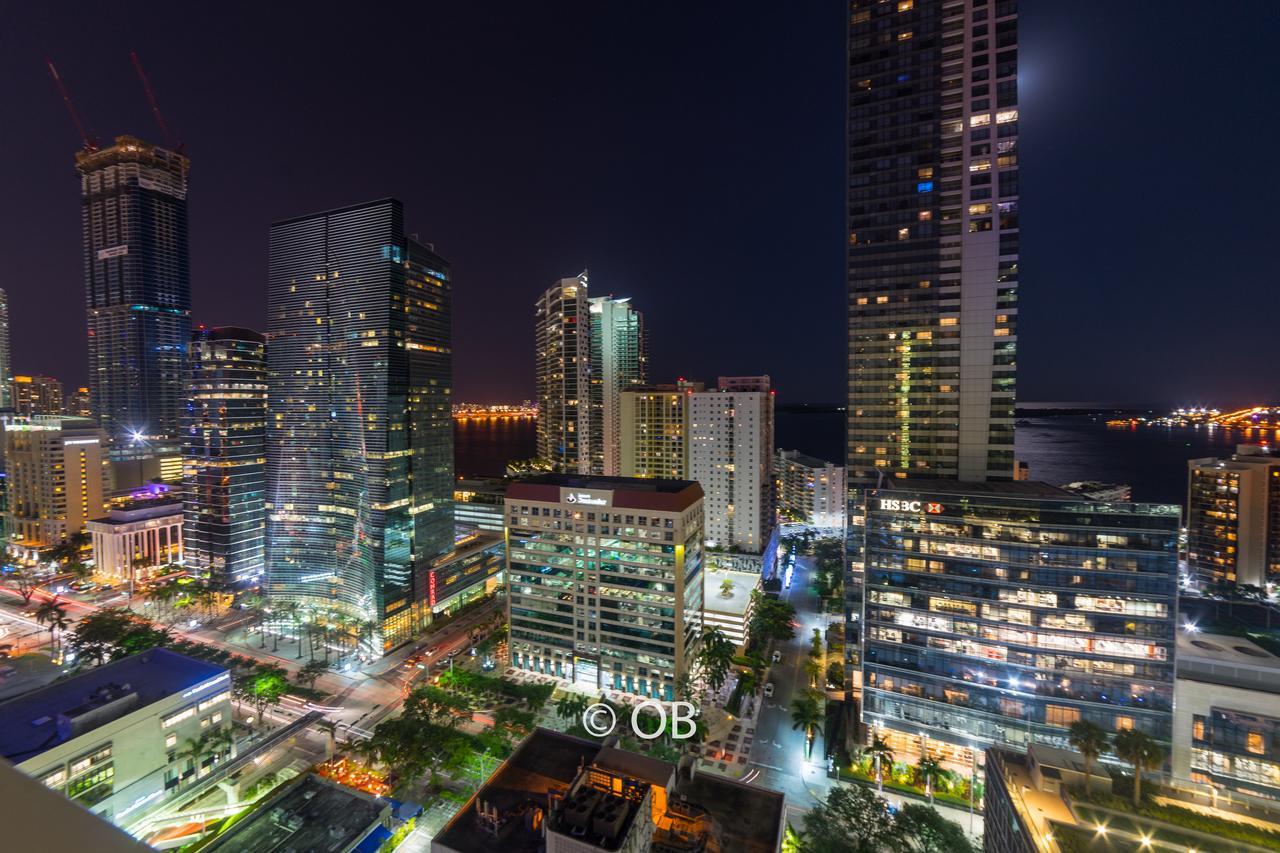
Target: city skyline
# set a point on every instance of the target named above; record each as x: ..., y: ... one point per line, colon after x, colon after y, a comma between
x: 669, y: 256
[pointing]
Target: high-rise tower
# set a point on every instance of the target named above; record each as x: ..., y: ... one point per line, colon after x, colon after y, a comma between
x: 6, y: 354
x: 932, y: 238
x: 224, y: 453
x: 137, y: 286
x: 562, y: 358
x: 360, y: 431
x: 619, y: 362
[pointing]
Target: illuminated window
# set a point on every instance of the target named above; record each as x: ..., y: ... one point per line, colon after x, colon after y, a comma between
x: 980, y: 209
x: 905, y: 35
x: 980, y: 120
x: 1006, y: 116
x: 1001, y: 333
x: 983, y: 165
x: 1059, y: 715
x: 862, y: 300
x: 924, y: 172
x: 880, y: 300
x: 906, y: 5
x: 864, y: 84
x: 925, y: 215
x: 948, y: 321
x: 1253, y: 743
x: 904, y: 233
x: 1197, y: 728
x: 1124, y: 724
x: 170, y: 740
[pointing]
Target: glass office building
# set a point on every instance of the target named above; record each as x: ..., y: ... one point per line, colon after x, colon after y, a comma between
x: 137, y: 286
x: 604, y: 580
x: 1000, y: 614
x: 619, y: 362
x: 224, y: 452
x: 360, y: 429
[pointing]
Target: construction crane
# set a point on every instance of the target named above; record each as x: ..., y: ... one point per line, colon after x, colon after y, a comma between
x: 90, y: 142
x: 155, y: 106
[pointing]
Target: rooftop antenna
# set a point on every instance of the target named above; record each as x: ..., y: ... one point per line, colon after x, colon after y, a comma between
x: 155, y: 106
x: 89, y: 142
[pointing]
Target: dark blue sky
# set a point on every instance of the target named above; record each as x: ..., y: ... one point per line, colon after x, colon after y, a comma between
x: 690, y: 154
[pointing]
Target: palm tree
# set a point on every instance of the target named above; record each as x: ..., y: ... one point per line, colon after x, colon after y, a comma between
x: 366, y: 633
x: 812, y: 669
x: 1090, y: 740
x: 311, y: 671
x: 54, y: 615
x: 1143, y: 752
x: 806, y: 714
x: 880, y: 752
x: 928, y: 770
x: 570, y: 706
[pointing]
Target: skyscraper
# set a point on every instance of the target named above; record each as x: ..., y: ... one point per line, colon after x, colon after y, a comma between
x: 619, y: 361
x: 6, y: 354
x: 55, y: 479
x: 932, y: 238
x: 37, y: 395
x: 562, y: 358
x: 137, y: 285
x: 731, y: 457
x: 224, y: 450
x: 359, y: 429
x: 655, y: 430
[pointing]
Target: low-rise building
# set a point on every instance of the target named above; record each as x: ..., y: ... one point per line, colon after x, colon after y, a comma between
x: 313, y: 814
x: 37, y: 395
x: 562, y: 794
x: 727, y: 602
x: 811, y: 491
x: 477, y: 505
x: 132, y: 541
x: 1226, y: 715
x: 470, y: 570
x: 116, y: 738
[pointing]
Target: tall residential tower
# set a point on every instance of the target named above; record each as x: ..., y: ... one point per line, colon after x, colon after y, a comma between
x: 619, y: 362
x: 932, y: 238
x: 137, y: 286
x: 359, y: 429
x: 224, y: 451
x: 6, y: 354
x: 562, y: 358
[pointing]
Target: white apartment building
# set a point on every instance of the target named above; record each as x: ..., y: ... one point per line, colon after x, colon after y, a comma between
x: 731, y: 456
x: 811, y: 491
x: 55, y: 479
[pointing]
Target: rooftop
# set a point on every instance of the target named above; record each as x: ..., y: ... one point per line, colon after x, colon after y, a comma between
x: 627, y: 492
x: 516, y: 799
x: 736, y: 604
x: 42, y: 719
x: 1009, y: 488
x: 1228, y: 661
x: 315, y: 815
x: 140, y: 509
x: 805, y: 459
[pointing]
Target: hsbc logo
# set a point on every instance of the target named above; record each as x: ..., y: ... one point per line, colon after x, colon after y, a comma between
x: 900, y: 505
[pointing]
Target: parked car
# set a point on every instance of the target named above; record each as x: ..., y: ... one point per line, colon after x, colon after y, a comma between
x: 768, y: 689
x: 777, y: 656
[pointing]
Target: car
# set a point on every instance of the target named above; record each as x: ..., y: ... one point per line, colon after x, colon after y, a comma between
x: 768, y: 689
x: 777, y: 656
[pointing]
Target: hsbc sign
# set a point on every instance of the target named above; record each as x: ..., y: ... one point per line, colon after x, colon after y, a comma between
x: 903, y: 505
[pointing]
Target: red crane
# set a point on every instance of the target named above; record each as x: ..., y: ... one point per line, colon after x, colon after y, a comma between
x: 90, y: 143
x: 155, y: 106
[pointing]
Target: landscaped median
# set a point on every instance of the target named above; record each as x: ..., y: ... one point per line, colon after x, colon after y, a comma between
x: 949, y: 788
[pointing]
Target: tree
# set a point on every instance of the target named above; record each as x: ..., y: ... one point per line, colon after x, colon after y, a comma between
x: 437, y: 706
x: 1143, y: 752
x: 771, y: 619
x: 1090, y: 740
x: 807, y: 715
x: 54, y: 615
x: 715, y: 658
x: 28, y: 583
x: 571, y: 706
x: 835, y: 674
x: 311, y: 671
x: 927, y: 768
x: 726, y: 588
x: 879, y: 752
x: 812, y: 669
x: 264, y: 686
x: 852, y: 820
x: 927, y: 831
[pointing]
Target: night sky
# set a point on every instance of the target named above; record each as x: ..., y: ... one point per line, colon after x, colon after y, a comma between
x: 690, y: 154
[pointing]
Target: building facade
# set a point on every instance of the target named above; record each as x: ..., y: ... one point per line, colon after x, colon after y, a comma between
x: 79, y: 404
x: 932, y: 238
x: 112, y: 737
x: 359, y: 428
x: 36, y: 395
x: 811, y: 491
x: 604, y: 580
x: 137, y: 286
x: 478, y: 505
x: 224, y: 451
x: 619, y: 361
x: 999, y: 614
x: 471, y: 570
x: 1233, y: 518
x: 654, y: 439
x: 55, y: 478
x: 6, y: 354
x: 562, y: 359
x: 132, y: 542
x: 731, y: 455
